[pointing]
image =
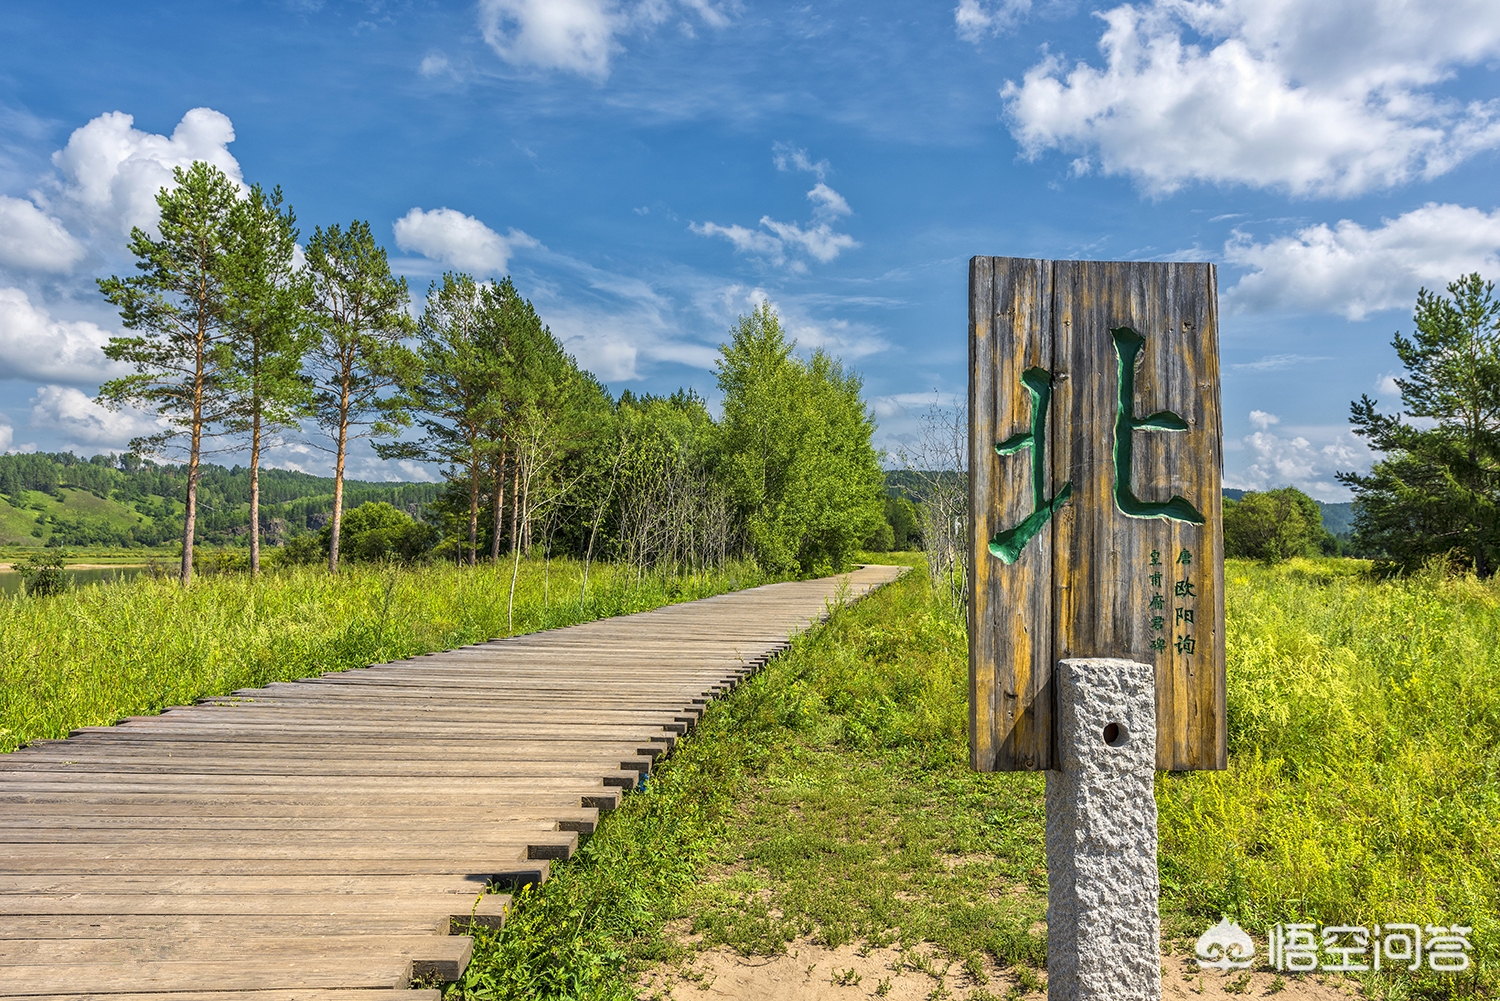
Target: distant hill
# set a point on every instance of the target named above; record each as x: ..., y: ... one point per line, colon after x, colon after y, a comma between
x: 59, y: 499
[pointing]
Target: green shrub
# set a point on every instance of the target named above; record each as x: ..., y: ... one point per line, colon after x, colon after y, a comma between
x: 42, y: 577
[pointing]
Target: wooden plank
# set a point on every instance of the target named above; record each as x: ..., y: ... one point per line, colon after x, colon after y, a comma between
x: 334, y: 830
x: 1104, y: 556
x: 1010, y: 621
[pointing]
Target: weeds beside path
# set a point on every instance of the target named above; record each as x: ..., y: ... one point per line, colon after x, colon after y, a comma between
x: 95, y: 654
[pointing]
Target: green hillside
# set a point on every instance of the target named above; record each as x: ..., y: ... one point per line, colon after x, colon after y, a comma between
x: 58, y: 499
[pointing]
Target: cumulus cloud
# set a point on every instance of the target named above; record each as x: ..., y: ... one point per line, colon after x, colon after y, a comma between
x: 33, y: 240
x: 109, y: 173
x: 35, y: 345
x: 1306, y: 459
x: 579, y: 36
x: 7, y: 435
x: 975, y: 19
x: 1315, y: 97
x: 458, y: 240
x: 1353, y: 270
x: 73, y: 415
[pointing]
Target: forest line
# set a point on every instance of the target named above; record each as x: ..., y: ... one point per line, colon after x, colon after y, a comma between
x: 240, y: 337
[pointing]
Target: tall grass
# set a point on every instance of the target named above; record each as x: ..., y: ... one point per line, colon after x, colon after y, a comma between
x: 97, y: 653
x: 830, y: 796
x: 1364, y: 725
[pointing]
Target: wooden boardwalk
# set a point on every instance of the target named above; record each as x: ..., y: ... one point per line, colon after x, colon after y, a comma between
x: 328, y: 839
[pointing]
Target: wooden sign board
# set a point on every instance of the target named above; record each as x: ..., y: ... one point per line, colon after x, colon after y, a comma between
x: 1096, y: 451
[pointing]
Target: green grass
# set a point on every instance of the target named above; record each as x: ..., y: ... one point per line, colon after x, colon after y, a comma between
x: 98, y: 653
x: 830, y: 797
x: 1364, y: 784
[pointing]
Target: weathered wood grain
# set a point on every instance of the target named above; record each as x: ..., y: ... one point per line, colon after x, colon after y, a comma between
x: 1010, y: 618
x: 1098, y: 589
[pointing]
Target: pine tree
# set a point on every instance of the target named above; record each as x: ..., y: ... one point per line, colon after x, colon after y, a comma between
x: 357, y: 359
x: 1437, y: 491
x: 268, y: 317
x: 182, y: 354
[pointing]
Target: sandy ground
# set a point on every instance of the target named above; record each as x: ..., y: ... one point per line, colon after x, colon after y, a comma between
x: 808, y: 972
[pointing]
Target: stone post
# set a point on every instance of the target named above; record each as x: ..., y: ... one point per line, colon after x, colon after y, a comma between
x: 1103, y: 927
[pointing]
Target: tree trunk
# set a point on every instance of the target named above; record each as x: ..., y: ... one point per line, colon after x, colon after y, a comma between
x: 338, y: 495
x: 515, y: 503
x: 499, y: 472
x: 190, y: 516
x: 255, y: 492
x: 190, y: 519
x: 474, y: 507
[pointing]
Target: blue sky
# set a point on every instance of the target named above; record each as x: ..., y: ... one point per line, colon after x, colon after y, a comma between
x: 649, y: 170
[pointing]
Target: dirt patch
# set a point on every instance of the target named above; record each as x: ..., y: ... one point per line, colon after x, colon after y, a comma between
x: 811, y: 972
x: 1182, y: 980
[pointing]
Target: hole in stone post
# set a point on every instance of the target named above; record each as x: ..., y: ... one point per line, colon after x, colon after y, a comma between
x: 1116, y: 735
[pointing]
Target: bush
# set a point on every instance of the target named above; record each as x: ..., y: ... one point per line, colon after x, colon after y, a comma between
x: 1274, y: 526
x: 376, y: 532
x: 42, y: 577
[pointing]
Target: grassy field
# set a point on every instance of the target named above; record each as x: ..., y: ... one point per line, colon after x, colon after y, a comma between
x: 830, y: 797
x: 97, y: 653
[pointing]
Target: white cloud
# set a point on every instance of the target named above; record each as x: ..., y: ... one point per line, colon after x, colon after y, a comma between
x: 1355, y: 271
x: 827, y: 203
x: 7, y: 435
x: 819, y: 241
x: 34, y: 345
x: 788, y: 157
x: 31, y: 239
x: 974, y: 19
x: 580, y: 36
x: 111, y: 172
x: 1307, y: 459
x: 577, y: 35
x: 1317, y: 97
x: 779, y: 242
x: 458, y: 240
x: 1386, y: 386
x: 1276, y: 363
x: 843, y: 339
x: 1262, y: 420
x: 435, y: 64
x: 78, y: 418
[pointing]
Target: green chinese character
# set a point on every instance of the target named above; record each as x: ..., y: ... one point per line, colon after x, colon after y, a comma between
x: 1156, y: 579
x: 1158, y: 623
x: 1158, y: 642
x: 1184, y: 615
x: 1156, y: 557
x: 1128, y: 345
x: 1184, y: 589
x: 1157, y: 602
x: 1185, y: 645
x: 1008, y: 544
x: 1185, y: 557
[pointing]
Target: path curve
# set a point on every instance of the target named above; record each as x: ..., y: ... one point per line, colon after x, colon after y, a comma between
x: 318, y: 840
